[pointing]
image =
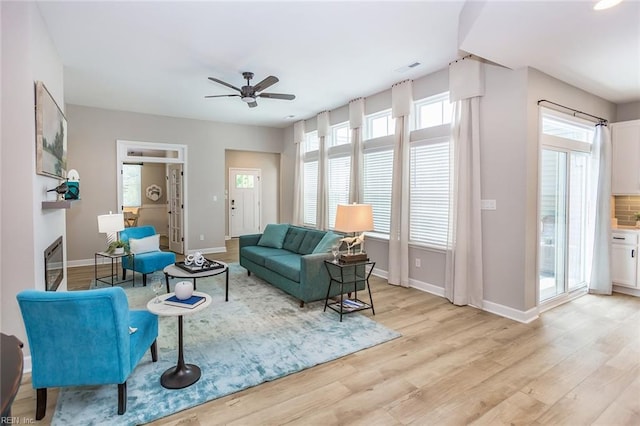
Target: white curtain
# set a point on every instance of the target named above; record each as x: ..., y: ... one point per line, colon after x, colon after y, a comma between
x: 600, y: 282
x: 322, y: 220
x: 463, y: 275
x: 356, y: 119
x: 298, y: 184
x: 401, y: 99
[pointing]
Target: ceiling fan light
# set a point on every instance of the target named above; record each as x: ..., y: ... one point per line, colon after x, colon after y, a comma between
x: 606, y: 4
x: 248, y: 99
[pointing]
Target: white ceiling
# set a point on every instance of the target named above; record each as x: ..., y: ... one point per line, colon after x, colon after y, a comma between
x: 155, y: 57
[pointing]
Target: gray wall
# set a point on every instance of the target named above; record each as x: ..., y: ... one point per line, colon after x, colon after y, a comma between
x: 628, y: 111
x: 27, y: 55
x: 509, y: 162
x: 92, y: 151
x: 269, y: 165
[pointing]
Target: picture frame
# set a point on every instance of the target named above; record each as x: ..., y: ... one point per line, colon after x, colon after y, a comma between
x: 51, y: 135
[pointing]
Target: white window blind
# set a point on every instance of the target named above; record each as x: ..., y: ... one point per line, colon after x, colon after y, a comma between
x: 339, y: 171
x: 310, y: 192
x: 378, y: 168
x: 429, y: 192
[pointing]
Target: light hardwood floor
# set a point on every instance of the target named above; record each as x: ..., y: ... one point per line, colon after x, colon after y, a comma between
x: 578, y: 364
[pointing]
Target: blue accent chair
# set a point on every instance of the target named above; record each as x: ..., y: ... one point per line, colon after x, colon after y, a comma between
x: 145, y: 263
x: 82, y: 338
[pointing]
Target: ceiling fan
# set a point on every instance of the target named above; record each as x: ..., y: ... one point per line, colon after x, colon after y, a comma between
x: 249, y: 93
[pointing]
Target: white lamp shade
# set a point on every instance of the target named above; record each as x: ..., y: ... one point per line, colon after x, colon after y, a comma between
x: 354, y: 218
x: 110, y: 223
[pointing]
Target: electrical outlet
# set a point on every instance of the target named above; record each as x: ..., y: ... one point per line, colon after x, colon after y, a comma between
x: 201, y: 237
x: 418, y: 263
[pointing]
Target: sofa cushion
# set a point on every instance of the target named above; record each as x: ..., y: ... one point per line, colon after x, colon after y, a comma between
x: 310, y: 241
x: 258, y: 254
x: 288, y: 266
x: 325, y: 244
x: 293, y: 239
x: 273, y: 235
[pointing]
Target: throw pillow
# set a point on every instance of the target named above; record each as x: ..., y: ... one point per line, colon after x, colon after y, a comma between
x: 273, y: 235
x: 325, y: 244
x: 144, y: 245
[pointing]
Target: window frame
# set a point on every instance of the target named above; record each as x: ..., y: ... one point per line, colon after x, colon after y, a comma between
x: 439, y: 98
x: 369, y: 119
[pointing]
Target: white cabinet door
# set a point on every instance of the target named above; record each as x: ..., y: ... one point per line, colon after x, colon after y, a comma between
x: 624, y: 262
x: 625, y: 164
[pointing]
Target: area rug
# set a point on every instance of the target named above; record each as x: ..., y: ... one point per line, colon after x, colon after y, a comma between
x: 259, y: 335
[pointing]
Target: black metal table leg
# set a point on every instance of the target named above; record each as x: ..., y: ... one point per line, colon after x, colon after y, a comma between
x: 182, y: 375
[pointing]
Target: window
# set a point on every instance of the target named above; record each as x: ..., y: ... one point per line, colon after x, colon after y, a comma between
x: 340, y: 135
x: 433, y: 111
x: 244, y: 181
x: 380, y: 124
x: 311, y: 142
x: 555, y: 125
x: 310, y: 192
x: 377, y: 174
x: 338, y: 185
x: 132, y: 185
x: 429, y: 192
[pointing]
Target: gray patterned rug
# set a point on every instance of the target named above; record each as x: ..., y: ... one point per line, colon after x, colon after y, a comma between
x: 260, y: 335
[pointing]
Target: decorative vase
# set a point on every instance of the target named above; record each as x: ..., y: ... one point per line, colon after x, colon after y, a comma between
x: 119, y: 250
x: 184, y: 290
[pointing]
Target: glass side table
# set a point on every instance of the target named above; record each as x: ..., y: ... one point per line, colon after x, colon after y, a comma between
x: 347, y: 276
x: 114, y: 267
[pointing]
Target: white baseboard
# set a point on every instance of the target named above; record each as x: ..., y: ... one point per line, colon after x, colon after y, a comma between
x: 80, y: 262
x: 26, y: 367
x: 426, y: 287
x: 208, y: 250
x: 511, y: 313
x: 626, y: 290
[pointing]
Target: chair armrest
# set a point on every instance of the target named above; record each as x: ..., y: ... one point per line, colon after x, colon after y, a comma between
x: 249, y: 240
x: 314, y: 274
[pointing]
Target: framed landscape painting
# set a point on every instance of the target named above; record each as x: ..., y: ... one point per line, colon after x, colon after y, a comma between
x: 51, y: 135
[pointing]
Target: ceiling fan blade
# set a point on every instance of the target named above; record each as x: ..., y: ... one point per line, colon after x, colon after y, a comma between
x: 277, y: 96
x: 267, y: 82
x: 252, y: 104
x: 220, y: 96
x: 224, y: 83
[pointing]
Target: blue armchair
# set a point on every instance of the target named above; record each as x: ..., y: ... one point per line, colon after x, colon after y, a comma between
x: 144, y: 262
x: 82, y: 338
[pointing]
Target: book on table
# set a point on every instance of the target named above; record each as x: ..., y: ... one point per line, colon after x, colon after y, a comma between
x: 189, y: 303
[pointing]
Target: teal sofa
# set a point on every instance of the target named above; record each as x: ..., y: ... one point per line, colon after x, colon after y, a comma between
x: 291, y: 258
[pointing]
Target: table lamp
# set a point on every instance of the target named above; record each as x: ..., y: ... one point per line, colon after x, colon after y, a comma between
x: 111, y: 224
x: 352, y: 219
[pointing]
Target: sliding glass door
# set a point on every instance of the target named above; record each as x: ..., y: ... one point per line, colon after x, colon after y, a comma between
x: 563, y: 204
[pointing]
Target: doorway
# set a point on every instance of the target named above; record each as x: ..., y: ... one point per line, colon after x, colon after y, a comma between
x: 245, y: 199
x: 174, y: 210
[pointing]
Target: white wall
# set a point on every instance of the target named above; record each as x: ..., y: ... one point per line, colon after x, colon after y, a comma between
x: 92, y: 151
x: 27, y: 55
x: 628, y: 111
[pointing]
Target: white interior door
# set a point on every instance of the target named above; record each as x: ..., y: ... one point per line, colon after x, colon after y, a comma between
x: 175, y: 206
x: 244, y: 201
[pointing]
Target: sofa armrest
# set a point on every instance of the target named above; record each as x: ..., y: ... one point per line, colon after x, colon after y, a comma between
x: 249, y: 240
x: 314, y: 275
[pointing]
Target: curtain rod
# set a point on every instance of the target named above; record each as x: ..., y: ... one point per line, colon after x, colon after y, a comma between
x: 575, y: 111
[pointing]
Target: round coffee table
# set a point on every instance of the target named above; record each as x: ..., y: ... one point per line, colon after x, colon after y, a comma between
x: 182, y: 375
x: 173, y: 271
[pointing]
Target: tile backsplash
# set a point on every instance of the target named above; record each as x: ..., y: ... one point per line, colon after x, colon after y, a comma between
x: 626, y: 207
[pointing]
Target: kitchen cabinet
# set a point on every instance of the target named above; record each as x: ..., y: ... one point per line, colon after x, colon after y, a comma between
x: 624, y: 258
x: 625, y: 161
